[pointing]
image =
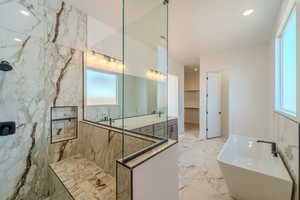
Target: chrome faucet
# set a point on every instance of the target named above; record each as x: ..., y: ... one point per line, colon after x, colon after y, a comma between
x: 274, y: 146
x: 111, y: 121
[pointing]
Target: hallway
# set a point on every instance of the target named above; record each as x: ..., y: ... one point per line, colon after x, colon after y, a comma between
x: 199, y: 175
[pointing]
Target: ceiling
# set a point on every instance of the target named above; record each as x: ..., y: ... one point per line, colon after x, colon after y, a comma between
x: 110, y: 12
x: 196, y: 27
x: 200, y: 27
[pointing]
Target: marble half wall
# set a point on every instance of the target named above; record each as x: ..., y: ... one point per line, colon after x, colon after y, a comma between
x: 102, y: 146
x: 286, y: 134
x: 45, y: 48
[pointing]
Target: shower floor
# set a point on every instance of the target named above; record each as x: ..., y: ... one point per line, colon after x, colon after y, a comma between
x: 83, y: 179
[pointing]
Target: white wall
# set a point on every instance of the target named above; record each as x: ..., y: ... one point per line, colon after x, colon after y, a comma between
x: 157, y: 178
x: 177, y: 68
x: 246, y: 89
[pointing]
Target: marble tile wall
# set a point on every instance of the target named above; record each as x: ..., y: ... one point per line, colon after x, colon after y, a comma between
x: 57, y: 189
x: 43, y: 40
x: 286, y: 134
x: 101, y: 146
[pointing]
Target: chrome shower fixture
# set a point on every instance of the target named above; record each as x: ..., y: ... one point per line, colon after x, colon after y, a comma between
x: 5, y: 66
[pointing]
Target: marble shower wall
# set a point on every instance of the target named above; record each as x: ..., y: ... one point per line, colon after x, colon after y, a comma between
x: 44, y: 41
x: 101, y: 146
x: 287, y: 137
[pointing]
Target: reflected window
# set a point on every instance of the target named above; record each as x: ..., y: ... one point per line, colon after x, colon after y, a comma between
x: 286, y: 70
x: 101, y: 88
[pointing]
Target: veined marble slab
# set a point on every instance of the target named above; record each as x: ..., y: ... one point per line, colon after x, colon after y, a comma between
x: 84, y: 179
x: 44, y: 46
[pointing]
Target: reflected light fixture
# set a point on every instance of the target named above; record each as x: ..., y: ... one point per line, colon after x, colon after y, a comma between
x: 248, y: 12
x: 24, y: 12
x: 112, y: 63
x: 92, y: 57
x: 121, y: 66
x: 155, y: 75
x: 102, y: 61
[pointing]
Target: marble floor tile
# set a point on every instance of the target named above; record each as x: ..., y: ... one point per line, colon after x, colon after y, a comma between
x: 84, y: 179
x: 199, y: 175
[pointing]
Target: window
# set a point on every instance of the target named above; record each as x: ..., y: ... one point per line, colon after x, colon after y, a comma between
x: 286, y: 67
x: 101, y: 88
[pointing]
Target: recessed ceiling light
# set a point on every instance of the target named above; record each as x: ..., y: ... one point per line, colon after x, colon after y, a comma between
x: 24, y: 12
x: 18, y: 40
x: 248, y: 12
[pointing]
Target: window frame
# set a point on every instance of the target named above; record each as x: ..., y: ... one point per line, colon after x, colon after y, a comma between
x: 279, y: 68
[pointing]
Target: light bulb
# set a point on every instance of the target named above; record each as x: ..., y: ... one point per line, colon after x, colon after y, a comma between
x: 120, y: 66
x: 102, y: 61
x: 248, y: 12
x: 18, y: 40
x: 24, y: 12
x: 112, y: 64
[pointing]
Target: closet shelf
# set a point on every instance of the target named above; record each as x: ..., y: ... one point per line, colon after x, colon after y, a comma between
x: 192, y: 90
x: 191, y: 107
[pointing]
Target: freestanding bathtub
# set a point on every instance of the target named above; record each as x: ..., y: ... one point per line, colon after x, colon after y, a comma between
x: 251, y: 172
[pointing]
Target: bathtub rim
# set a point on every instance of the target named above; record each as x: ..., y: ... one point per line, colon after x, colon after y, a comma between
x: 286, y: 177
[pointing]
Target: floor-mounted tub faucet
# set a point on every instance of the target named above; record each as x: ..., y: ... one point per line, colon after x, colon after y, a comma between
x: 274, y: 146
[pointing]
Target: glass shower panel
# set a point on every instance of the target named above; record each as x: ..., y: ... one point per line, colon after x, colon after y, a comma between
x: 145, y: 57
x: 103, y: 67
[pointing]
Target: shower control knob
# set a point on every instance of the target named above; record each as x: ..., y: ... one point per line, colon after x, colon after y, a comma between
x: 5, y: 66
x: 7, y: 128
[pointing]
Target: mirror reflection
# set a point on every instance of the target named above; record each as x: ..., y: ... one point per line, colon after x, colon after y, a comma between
x: 125, y: 72
x: 104, y: 93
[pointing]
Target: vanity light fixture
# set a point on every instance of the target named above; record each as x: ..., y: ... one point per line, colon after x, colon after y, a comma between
x: 155, y: 75
x: 112, y: 63
x: 92, y: 57
x: 121, y: 66
x: 104, y: 62
x: 24, y: 12
x: 248, y: 12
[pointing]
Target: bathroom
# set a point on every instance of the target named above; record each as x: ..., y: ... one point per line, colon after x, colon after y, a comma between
x: 82, y: 113
x: 94, y: 100
x: 237, y: 93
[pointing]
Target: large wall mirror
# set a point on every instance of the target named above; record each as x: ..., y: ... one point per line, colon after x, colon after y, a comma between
x: 125, y: 69
x: 104, y: 92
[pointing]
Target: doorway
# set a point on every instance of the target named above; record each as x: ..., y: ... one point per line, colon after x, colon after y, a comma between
x: 191, y: 100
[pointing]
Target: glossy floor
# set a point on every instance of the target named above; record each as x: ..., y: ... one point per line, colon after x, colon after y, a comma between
x: 199, y: 174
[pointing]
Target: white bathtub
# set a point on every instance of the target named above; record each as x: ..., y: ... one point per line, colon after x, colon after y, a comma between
x: 251, y: 172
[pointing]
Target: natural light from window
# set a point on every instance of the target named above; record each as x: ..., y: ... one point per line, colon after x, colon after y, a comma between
x: 101, y: 88
x: 287, y: 67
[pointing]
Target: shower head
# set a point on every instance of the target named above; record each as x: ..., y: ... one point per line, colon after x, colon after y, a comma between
x: 5, y: 66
